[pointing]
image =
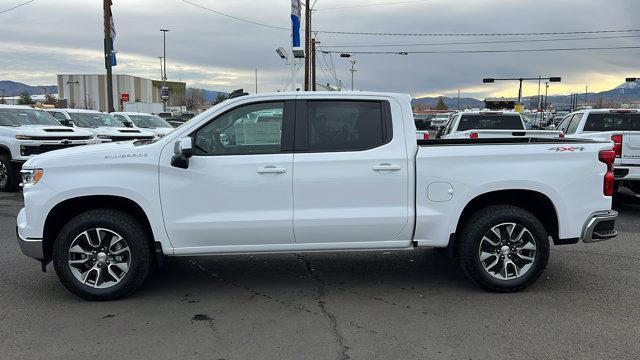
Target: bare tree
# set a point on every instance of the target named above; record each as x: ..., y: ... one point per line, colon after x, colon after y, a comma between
x: 88, y: 103
x: 194, y: 99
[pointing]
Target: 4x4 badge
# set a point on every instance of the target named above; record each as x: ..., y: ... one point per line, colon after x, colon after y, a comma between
x: 567, y: 148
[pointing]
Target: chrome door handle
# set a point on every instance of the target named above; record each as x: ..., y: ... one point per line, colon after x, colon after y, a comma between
x: 386, y: 167
x: 271, y: 170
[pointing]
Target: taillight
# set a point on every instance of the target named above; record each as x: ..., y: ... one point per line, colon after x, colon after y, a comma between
x: 561, y: 136
x: 608, y: 157
x: 473, y: 135
x: 617, y: 144
x: 425, y: 136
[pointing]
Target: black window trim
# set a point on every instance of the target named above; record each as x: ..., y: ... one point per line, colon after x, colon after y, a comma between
x: 302, y: 125
x: 286, y: 139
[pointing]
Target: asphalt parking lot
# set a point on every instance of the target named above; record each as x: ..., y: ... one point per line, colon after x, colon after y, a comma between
x: 364, y: 305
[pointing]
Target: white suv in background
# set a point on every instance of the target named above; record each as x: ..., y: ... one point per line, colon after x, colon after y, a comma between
x: 25, y: 132
x: 149, y: 122
x: 104, y: 126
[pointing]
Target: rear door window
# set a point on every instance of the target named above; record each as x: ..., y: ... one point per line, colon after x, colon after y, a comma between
x: 492, y: 122
x: 612, y: 122
x: 573, y: 124
x: 346, y: 125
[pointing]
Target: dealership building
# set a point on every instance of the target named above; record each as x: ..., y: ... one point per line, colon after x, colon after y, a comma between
x: 88, y: 91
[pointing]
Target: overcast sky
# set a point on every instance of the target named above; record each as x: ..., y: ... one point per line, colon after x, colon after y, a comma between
x: 48, y: 37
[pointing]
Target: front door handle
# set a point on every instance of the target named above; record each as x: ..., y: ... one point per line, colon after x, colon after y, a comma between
x: 386, y: 167
x: 271, y: 170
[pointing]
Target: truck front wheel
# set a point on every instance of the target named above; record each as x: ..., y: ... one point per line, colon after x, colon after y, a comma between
x: 503, y: 248
x: 102, y: 254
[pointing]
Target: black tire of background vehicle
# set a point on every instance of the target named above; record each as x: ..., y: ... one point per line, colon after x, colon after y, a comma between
x: 12, y: 175
x: 125, y: 225
x: 477, y: 226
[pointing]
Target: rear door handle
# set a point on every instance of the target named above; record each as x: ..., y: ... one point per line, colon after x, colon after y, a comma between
x: 386, y: 167
x: 271, y: 170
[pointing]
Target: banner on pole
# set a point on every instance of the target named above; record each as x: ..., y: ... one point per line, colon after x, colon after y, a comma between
x: 295, y: 22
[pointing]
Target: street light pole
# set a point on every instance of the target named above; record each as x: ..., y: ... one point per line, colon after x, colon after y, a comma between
x: 520, y: 80
x: 586, y: 91
x: 546, y: 91
x: 458, y: 99
x: 161, y: 74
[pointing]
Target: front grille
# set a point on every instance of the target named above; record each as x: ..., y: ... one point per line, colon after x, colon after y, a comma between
x: 130, y: 131
x: 28, y: 150
x: 129, y: 138
x: 61, y: 137
x: 59, y: 130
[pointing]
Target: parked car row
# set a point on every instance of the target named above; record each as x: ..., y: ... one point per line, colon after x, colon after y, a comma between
x: 25, y: 132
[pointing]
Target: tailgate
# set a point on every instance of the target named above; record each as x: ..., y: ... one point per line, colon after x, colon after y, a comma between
x: 487, y: 134
x: 631, y: 147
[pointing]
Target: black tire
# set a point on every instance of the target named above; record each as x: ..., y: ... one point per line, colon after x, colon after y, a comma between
x: 471, y: 235
x: 136, y: 238
x: 11, y: 182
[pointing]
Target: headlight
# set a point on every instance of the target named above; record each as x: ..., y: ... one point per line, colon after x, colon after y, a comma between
x: 160, y: 136
x: 23, y: 137
x: 31, y: 177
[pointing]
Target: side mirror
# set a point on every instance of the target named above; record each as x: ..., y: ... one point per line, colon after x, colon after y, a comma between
x: 183, y: 150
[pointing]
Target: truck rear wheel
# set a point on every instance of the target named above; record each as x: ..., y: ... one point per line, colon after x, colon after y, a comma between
x: 503, y: 248
x: 102, y: 254
x: 8, y: 175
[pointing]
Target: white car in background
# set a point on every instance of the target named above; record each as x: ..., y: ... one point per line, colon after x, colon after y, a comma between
x: 105, y: 127
x: 25, y: 132
x: 137, y: 120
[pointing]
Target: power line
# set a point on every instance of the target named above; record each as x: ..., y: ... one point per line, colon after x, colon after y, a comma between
x: 233, y: 17
x: 484, y: 51
x: 17, y: 6
x: 371, y: 5
x: 478, y: 34
x: 480, y: 42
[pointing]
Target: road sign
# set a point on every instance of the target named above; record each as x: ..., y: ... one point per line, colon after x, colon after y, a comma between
x: 164, y: 93
x: 124, y: 97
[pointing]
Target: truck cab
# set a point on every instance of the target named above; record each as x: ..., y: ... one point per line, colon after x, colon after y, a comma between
x: 622, y: 127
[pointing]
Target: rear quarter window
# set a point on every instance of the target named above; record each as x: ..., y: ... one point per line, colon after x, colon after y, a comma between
x: 490, y: 122
x: 612, y: 122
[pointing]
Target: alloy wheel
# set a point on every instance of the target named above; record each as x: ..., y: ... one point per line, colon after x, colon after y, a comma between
x: 507, y: 251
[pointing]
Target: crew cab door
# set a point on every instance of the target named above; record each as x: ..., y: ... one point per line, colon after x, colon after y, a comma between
x: 351, y: 174
x: 236, y: 190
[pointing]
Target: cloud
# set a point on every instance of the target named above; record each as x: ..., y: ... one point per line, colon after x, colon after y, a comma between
x: 214, y: 52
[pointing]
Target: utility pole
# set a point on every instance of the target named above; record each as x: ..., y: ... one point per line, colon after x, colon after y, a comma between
x: 458, y: 99
x: 163, y: 96
x: 313, y: 64
x: 307, y: 44
x: 256, y: 80
x: 353, y: 70
x: 108, y: 52
x: 586, y: 91
x: 546, y: 91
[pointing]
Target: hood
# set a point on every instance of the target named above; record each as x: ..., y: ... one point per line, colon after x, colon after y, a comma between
x: 93, y: 154
x: 120, y: 131
x: 161, y: 131
x: 51, y: 131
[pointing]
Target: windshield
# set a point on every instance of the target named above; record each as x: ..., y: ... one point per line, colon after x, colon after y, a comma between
x: 149, y: 121
x: 92, y: 120
x: 18, y: 117
x: 612, y: 122
x: 493, y: 122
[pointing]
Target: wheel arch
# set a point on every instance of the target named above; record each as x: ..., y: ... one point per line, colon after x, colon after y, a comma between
x: 66, y: 210
x: 533, y: 201
x: 4, y: 150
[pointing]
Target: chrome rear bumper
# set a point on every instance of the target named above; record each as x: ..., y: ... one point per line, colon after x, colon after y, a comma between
x: 600, y: 227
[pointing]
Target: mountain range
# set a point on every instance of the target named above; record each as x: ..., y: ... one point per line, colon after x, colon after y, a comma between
x: 628, y: 92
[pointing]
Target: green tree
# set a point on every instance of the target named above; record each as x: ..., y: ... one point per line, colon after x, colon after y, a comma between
x: 50, y: 99
x: 441, y: 105
x: 25, y: 99
x: 220, y: 98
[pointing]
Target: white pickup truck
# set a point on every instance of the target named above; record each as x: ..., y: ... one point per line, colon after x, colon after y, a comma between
x: 622, y: 126
x: 105, y: 127
x: 25, y: 132
x: 326, y: 172
x: 490, y: 124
